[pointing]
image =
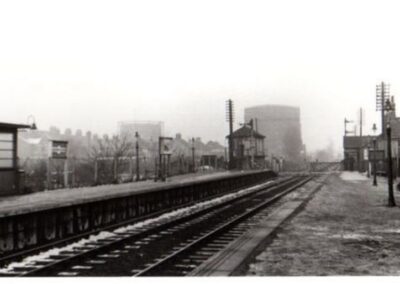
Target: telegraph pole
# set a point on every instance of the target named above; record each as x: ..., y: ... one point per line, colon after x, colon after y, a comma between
x: 382, y: 95
x: 383, y: 108
x: 230, y: 118
x: 345, y: 127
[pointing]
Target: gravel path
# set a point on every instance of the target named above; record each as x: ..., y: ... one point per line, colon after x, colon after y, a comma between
x: 346, y: 229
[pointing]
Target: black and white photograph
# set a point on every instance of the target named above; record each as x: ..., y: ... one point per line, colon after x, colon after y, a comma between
x: 174, y: 138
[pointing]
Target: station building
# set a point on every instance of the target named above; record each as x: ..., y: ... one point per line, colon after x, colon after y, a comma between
x: 356, y: 152
x: 360, y: 151
x: 248, y: 148
x: 11, y: 177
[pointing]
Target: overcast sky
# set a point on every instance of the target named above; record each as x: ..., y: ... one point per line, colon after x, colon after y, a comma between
x: 89, y: 64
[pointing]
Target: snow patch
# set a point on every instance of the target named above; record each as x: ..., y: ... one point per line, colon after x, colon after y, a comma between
x: 395, y: 231
x: 44, y: 256
x: 353, y: 176
x: 355, y: 236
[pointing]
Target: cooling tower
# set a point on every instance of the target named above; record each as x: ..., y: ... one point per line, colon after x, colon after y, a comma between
x: 281, y: 127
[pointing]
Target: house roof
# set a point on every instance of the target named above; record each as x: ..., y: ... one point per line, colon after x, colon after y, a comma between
x: 42, y: 134
x: 357, y: 141
x: 246, y: 131
x: 13, y: 126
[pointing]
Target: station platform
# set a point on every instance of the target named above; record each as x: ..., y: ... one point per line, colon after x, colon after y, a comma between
x: 346, y: 229
x: 20, y: 204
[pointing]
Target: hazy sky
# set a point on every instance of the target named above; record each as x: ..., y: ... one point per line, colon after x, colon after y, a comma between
x: 89, y: 64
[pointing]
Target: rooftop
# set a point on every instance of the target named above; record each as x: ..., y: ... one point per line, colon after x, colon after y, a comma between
x: 246, y: 131
x: 13, y: 126
x: 357, y: 141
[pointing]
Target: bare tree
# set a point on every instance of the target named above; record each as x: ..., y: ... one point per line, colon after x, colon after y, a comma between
x: 121, y: 147
x: 110, y: 150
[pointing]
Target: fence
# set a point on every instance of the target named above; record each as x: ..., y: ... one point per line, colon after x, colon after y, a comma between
x: 47, y: 174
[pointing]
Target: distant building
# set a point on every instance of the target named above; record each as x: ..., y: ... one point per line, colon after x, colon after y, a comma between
x: 184, y: 147
x: 35, y: 144
x: 357, y: 149
x: 282, y: 128
x: 356, y: 152
x: 148, y: 130
x: 248, y: 148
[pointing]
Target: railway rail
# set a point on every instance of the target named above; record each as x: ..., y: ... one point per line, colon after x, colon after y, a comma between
x: 59, y: 218
x: 171, y: 245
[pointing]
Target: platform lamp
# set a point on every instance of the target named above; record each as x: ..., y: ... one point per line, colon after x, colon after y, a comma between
x: 374, y: 183
x: 193, y: 157
x: 390, y: 106
x: 33, y: 125
x: 137, y: 155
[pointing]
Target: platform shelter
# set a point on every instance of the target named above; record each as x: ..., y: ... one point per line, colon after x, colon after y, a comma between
x: 10, y: 174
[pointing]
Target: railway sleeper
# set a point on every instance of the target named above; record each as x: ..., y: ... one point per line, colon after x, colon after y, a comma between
x: 153, y: 237
x: 95, y: 261
x: 68, y: 273
x: 28, y: 231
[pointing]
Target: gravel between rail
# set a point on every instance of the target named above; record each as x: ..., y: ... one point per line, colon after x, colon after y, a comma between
x: 39, y: 265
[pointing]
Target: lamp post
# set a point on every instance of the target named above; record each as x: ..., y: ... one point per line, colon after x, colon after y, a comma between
x: 145, y: 166
x: 137, y: 155
x: 392, y: 202
x: 193, y: 159
x: 390, y: 106
x: 33, y: 125
x: 374, y: 183
x: 368, y: 163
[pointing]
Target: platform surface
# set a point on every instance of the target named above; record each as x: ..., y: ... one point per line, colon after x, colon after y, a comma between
x: 19, y: 204
x: 347, y: 229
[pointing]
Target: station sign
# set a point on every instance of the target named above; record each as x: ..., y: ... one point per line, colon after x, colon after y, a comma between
x: 377, y: 155
x: 166, y: 145
x: 59, y: 149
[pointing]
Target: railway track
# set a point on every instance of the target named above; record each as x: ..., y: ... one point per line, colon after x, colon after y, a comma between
x: 183, y: 261
x: 173, y: 245
x: 97, y: 219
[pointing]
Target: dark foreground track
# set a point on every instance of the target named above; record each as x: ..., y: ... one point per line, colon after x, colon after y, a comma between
x: 170, y: 246
x: 193, y: 254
